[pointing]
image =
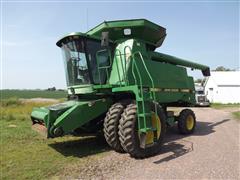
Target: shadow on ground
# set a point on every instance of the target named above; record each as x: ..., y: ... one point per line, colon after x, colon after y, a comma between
x: 178, y: 146
x: 175, y: 143
x: 81, y: 147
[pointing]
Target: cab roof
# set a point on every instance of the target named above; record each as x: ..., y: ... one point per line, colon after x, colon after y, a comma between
x: 74, y: 35
x: 137, y: 28
x: 143, y: 29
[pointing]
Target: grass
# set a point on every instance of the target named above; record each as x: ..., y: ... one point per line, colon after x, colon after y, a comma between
x: 27, y: 155
x: 236, y: 115
x: 221, y: 106
x: 5, y: 94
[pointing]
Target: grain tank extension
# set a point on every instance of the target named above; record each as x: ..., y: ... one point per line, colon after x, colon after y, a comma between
x: 119, y: 85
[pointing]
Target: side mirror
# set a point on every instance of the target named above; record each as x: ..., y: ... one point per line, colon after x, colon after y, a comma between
x: 105, y: 39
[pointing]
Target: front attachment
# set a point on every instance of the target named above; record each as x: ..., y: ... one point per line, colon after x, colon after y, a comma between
x: 44, y: 117
x: 63, y: 118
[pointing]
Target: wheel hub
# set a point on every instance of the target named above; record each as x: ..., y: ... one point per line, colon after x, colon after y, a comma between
x: 156, y: 124
x: 190, y: 122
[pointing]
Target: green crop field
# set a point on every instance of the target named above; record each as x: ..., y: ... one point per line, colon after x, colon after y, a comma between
x: 27, y: 155
x: 5, y: 94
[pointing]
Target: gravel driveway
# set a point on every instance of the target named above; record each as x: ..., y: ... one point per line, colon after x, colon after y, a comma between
x: 211, y: 152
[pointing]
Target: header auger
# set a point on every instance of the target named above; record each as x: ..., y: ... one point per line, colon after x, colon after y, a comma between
x: 118, y: 84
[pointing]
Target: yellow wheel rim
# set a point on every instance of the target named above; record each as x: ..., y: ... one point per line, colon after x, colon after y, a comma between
x: 190, y: 122
x: 156, y: 123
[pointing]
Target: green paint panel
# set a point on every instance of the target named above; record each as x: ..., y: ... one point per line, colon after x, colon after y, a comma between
x: 40, y: 113
x: 81, y: 113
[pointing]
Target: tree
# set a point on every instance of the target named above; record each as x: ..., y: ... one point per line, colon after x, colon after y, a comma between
x: 51, y: 89
x: 222, y: 68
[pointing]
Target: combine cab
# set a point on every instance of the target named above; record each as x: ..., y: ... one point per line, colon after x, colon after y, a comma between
x: 118, y: 84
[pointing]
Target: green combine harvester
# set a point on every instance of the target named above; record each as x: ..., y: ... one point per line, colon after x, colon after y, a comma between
x: 117, y: 83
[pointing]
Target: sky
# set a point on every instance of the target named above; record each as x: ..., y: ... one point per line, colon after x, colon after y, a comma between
x: 203, y: 32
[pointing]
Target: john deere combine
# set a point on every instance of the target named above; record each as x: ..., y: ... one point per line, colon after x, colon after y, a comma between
x: 117, y: 83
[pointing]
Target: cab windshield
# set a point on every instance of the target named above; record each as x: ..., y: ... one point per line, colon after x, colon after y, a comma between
x: 81, y: 64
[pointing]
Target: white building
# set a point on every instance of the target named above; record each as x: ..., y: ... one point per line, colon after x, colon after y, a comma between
x: 223, y: 87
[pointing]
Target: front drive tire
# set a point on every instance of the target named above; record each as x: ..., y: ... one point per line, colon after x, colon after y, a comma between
x: 111, y: 123
x: 186, y: 121
x: 129, y: 136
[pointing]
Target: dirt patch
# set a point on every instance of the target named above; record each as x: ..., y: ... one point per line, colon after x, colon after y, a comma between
x: 106, y: 166
x: 202, y: 155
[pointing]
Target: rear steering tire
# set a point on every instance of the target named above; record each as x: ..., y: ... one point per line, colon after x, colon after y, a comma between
x: 111, y: 123
x: 186, y: 121
x: 129, y: 136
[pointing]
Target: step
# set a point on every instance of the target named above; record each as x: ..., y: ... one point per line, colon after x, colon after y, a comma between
x: 145, y: 96
x: 144, y: 99
x: 145, y: 115
x: 148, y: 129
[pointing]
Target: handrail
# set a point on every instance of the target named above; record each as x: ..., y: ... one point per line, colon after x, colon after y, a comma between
x: 146, y: 69
x: 124, y: 68
x: 125, y: 58
x: 123, y: 64
x: 119, y: 78
x: 136, y: 70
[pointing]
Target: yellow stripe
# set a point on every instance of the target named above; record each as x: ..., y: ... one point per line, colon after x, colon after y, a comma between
x: 155, y: 89
x: 170, y: 90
